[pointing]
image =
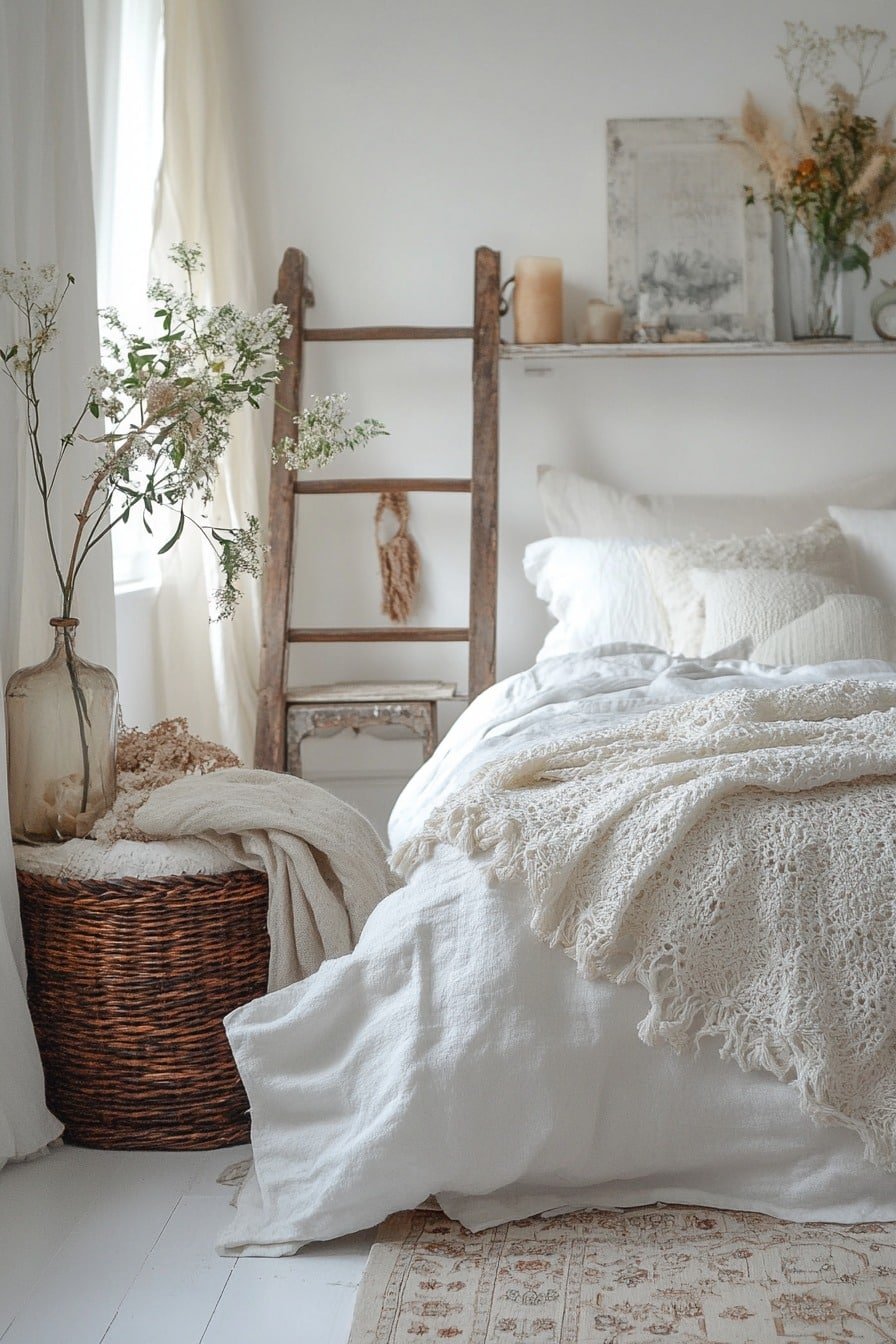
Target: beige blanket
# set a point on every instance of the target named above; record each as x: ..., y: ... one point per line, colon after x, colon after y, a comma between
x: 736, y: 855
x: 325, y: 864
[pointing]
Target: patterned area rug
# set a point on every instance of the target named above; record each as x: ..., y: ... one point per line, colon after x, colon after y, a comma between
x: 692, y: 1275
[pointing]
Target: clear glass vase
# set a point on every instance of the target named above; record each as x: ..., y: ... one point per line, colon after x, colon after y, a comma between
x: 820, y: 306
x: 61, y: 729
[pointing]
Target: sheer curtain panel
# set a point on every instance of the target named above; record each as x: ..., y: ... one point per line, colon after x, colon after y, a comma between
x: 214, y: 676
x: 46, y: 215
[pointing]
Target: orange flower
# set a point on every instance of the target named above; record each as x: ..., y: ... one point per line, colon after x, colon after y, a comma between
x: 806, y: 170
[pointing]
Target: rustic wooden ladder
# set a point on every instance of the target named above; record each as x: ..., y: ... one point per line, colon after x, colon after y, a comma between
x: 275, y: 700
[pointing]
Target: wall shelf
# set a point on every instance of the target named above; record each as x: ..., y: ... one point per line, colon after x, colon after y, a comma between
x: 703, y: 349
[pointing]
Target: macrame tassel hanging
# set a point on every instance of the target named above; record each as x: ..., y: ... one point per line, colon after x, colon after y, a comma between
x: 399, y: 557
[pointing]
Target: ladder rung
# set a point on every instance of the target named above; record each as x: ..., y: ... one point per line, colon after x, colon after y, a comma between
x: 379, y: 634
x: 388, y: 333
x: 377, y: 484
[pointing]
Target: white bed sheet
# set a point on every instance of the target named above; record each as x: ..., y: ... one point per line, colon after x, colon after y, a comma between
x: 453, y: 1053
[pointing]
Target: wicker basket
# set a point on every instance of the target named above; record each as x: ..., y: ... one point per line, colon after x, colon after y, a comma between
x: 128, y: 982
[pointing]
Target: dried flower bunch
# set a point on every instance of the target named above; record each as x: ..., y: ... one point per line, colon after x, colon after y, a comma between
x: 836, y: 175
x: 161, y: 407
x: 148, y: 760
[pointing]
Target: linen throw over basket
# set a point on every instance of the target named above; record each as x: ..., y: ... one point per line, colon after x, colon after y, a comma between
x: 128, y: 983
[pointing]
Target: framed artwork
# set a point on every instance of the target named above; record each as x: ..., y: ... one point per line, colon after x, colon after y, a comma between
x: 685, y: 251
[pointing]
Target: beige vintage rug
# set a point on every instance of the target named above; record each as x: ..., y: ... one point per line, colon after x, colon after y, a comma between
x: 692, y: 1275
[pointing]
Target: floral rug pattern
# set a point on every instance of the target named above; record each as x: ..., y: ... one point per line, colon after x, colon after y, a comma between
x: 698, y: 1276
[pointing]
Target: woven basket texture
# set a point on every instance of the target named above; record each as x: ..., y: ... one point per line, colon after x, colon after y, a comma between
x: 128, y: 982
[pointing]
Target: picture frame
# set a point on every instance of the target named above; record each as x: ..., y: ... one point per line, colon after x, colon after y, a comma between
x: 685, y: 251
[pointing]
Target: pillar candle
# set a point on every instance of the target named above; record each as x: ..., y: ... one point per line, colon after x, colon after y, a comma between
x: 604, y: 322
x: 538, y: 301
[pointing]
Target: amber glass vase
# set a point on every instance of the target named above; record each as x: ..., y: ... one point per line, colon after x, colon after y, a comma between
x: 61, y: 726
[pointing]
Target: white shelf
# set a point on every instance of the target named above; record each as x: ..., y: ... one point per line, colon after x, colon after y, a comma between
x: 702, y: 349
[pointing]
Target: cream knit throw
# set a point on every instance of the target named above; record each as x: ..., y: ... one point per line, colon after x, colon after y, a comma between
x: 736, y: 856
x: 325, y: 864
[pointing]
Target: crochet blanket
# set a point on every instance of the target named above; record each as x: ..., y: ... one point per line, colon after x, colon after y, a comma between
x: 735, y: 855
x: 326, y: 865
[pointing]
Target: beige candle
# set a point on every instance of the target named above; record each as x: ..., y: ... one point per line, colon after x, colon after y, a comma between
x: 538, y: 301
x: 603, y: 324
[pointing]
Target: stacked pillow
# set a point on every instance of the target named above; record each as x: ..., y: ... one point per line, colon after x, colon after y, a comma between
x: 758, y: 601
x: 791, y: 592
x: 577, y: 506
x: 871, y: 535
x: 819, y: 550
x: 597, y: 591
x: 845, y: 626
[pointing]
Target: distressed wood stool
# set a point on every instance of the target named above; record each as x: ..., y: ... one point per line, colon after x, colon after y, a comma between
x: 321, y: 710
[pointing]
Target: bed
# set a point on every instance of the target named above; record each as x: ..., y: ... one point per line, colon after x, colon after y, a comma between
x: 455, y: 1054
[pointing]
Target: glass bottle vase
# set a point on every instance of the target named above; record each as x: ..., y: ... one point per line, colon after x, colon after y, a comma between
x: 820, y: 306
x: 61, y: 729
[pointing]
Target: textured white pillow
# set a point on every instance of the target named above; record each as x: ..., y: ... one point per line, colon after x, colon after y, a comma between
x: 598, y: 591
x: 819, y: 549
x: 577, y: 506
x: 754, y: 603
x: 845, y: 626
x: 871, y: 534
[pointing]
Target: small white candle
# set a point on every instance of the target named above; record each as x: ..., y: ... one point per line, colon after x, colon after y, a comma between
x: 538, y: 301
x: 603, y: 323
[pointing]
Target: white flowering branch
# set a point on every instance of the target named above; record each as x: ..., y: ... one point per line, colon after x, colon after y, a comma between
x: 163, y: 407
x: 323, y: 433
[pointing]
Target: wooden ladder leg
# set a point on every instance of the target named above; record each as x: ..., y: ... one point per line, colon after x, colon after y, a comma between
x: 484, y: 499
x: 270, y: 728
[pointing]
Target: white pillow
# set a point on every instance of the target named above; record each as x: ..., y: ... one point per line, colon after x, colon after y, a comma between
x: 598, y: 592
x: 577, y: 506
x: 754, y: 603
x: 871, y: 534
x: 845, y: 626
x: 819, y: 549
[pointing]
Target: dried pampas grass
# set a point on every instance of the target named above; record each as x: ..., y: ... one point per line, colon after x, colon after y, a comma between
x: 766, y: 138
x: 867, y: 184
x: 754, y: 122
x: 883, y: 239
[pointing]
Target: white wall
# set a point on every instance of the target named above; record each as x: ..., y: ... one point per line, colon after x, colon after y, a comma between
x: 388, y: 140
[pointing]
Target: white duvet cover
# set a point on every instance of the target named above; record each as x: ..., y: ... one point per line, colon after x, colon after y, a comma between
x: 453, y: 1053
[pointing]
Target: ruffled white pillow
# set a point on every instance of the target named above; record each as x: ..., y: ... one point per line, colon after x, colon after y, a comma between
x: 819, y: 549
x: 597, y: 591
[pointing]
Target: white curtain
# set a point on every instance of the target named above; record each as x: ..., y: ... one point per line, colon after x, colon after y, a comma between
x: 209, y: 670
x: 46, y: 215
x: 162, y: 80
x: 124, y: 85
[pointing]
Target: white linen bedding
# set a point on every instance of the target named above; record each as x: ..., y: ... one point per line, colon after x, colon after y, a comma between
x: 453, y: 1053
x: 735, y: 856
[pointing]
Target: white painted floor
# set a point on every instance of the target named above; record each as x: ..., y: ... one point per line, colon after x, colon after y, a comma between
x: 118, y: 1248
